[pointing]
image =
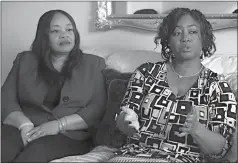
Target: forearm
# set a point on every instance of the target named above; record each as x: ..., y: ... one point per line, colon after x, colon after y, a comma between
x: 209, y: 142
x: 73, y: 122
x: 16, y: 119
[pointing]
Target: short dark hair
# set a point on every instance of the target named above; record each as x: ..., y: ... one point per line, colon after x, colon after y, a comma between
x: 40, y: 47
x: 169, y: 23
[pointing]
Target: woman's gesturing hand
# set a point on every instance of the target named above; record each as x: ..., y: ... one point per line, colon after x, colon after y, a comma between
x: 191, y: 123
x: 127, y: 122
x: 48, y: 128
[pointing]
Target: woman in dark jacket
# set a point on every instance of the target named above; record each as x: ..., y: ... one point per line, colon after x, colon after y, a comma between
x: 53, y: 96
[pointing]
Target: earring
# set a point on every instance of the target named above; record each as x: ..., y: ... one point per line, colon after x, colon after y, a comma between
x: 201, y: 55
x: 171, y: 57
x: 168, y: 50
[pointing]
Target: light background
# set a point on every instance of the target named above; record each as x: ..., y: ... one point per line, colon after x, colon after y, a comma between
x: 19, y: 22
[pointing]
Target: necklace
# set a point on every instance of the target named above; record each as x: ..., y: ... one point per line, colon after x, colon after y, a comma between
x: 181, y: 76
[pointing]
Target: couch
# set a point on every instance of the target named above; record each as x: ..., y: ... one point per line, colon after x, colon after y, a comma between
x: 120, y: 65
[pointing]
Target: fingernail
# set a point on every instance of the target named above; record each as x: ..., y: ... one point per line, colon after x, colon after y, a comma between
x: 136, y: 135
x: 134, y: 129
x: 27, y: 134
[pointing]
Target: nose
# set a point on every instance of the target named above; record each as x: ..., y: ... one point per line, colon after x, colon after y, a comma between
x: 185, y: 37
x: 63, y: 34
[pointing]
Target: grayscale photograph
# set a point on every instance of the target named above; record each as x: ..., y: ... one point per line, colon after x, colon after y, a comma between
x: 119, y: 81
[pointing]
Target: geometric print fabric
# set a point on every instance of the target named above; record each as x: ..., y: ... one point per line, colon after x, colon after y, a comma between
x: 161, y: 113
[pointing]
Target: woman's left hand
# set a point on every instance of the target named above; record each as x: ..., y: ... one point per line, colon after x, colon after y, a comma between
x: 191, y: 124
x: 48, y: 128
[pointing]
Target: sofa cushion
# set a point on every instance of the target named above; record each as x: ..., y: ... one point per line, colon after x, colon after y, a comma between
x: 98, y: 154
x: 107, y: 133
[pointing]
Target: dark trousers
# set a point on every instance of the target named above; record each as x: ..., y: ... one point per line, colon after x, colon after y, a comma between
x: 44, y: 149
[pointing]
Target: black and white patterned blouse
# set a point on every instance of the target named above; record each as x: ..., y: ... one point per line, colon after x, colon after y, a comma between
x: 161, y: 113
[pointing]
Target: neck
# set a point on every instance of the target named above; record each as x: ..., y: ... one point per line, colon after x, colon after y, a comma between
x: 59, y: 57
x: 186, y: 68
x: 58, y: 60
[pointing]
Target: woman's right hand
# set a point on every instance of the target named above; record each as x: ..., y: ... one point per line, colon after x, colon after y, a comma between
x: 23, y: 131
x: 127, y: 122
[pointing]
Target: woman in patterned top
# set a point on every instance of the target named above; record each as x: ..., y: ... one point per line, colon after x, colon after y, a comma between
x: 178, y: 110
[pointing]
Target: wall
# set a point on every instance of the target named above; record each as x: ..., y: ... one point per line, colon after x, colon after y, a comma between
x: 206, y: 7
x: 130, y: 7
x: 164, y: 7
x: 19, y: 21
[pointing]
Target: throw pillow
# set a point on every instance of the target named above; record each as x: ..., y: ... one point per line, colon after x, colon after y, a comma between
x: 111, y: 74
x: 107, y: 133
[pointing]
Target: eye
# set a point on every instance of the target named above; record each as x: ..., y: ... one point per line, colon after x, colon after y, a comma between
x: 69, y: 30
x: 54, y: 31
x: 193, y: 32
x: 176, y: 33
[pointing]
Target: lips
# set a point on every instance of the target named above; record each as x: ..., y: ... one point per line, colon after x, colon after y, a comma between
x: 65, y: 42
x: 186, y: 48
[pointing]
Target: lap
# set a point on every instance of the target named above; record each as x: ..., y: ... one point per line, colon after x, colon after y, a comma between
x: 11, y: 143
x: 10, y: 134
x: 48, y: 148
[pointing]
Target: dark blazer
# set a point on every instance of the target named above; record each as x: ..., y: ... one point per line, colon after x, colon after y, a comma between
x: 83, y: 94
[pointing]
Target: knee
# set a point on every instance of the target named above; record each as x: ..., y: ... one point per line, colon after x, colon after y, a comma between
x: 11, y: 138
x: 36, y: 151
x: 11, y: 143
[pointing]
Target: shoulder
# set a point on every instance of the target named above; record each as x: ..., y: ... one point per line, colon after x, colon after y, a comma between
x: 93, y: 60
x: 26, y: 60
x: 149, y: 66
x: 216, y: 81
x: 26, y: 56
x: 212, y: 76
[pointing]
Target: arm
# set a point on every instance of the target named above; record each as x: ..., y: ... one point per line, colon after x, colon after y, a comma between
x: 133, y: 98
x: 136, y: 90
x: 17, y: 119
x: 217, y: 141
x: 73, y: 122
x: 209, y: 142
x: 91, y: 115
x: 11, y: 113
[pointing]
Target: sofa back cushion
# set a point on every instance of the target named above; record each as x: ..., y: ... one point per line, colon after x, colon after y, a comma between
x: 128, y: 61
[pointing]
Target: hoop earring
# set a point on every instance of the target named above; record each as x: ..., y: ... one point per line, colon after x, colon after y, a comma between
x: 169, y: 52
x: 171, y: 57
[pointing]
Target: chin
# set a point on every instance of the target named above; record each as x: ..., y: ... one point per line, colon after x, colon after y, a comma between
x: 65, y: 50
x: 188, y: 56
